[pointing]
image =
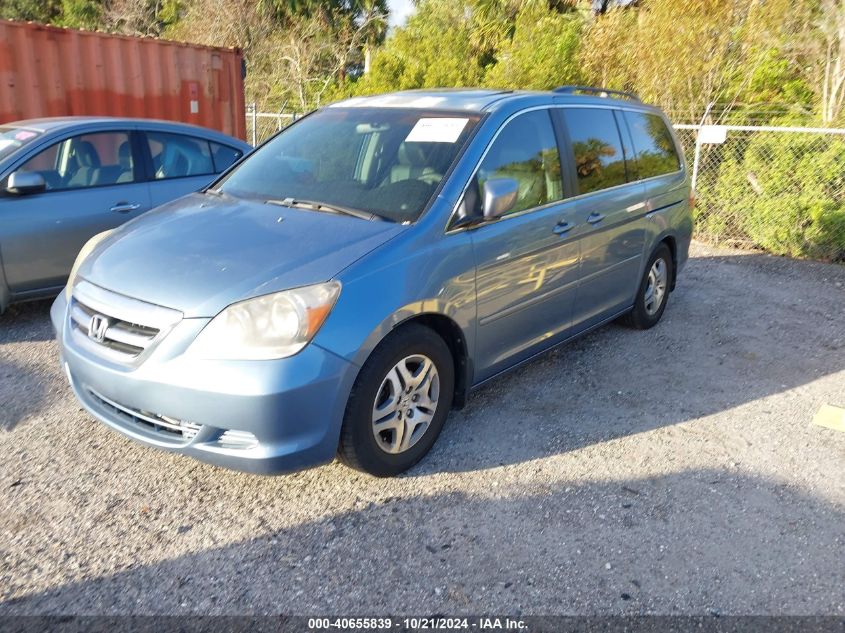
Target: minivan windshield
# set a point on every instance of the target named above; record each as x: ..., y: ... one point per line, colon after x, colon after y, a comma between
x: 387, y: 162
x: 13, y: 138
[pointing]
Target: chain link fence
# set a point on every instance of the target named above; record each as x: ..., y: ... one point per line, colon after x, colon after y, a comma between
x: 777, y: 189
x: 262, y: 125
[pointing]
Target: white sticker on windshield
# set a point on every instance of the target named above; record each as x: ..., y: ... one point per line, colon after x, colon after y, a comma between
x: 440, y: 130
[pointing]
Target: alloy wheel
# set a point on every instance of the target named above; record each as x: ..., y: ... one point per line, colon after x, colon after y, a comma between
x: 655, y: 291
x: 405, y: 403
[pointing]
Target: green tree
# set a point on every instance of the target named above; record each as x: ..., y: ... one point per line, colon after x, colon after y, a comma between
x: 82, y: 14
x: 141, y: 17
x: 728, y: 52
x: 542, y: 52
x: 45, y: 11
x: 435, y: 48
x: 373, y: 17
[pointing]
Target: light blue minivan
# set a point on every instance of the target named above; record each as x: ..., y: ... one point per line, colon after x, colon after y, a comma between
x: 338, y: 291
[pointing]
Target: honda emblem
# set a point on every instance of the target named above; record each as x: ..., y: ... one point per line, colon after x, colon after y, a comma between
x: 97, y: 328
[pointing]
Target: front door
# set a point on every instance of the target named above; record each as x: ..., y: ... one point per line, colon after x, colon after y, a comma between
x: 92, y: 186
x: 527, y: 261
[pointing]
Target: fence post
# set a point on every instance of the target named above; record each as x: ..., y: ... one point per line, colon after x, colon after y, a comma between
x: 697, y: 158
x: 254, y: 111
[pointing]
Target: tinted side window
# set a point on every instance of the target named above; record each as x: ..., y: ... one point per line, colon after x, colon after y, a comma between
x: 525, y: 151
x: 597, y: 148
x: 224, y: 156
x: 90, y: 160
x: 177, y: 156
x: 656, y: 153
x: 627, y: 146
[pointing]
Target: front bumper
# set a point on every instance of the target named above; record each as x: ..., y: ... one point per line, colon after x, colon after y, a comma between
x: 293, y: 407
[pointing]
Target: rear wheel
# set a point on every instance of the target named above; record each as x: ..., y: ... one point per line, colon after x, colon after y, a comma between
x: 399, y: 403
x: 653, y: 293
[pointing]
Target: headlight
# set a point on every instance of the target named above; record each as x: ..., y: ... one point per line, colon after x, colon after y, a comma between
x: 272, y: 326
x: 89, y: 246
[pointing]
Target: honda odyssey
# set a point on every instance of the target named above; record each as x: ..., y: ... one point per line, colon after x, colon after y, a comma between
x: 343, y: 287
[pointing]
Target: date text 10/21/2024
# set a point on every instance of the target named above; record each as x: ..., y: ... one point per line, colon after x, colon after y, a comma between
x: 418, y: 623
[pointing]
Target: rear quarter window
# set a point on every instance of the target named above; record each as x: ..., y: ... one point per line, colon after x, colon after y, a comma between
x: 653, y: 144
x: 224, y: 156
x: 179, y: 155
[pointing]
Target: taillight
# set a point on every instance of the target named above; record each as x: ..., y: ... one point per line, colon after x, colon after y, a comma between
x: 691, y: 200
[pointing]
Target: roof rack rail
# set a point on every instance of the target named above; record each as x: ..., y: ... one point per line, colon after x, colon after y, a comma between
x: 599, y: 92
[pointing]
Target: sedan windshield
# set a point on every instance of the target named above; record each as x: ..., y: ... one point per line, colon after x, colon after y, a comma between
x: 385, y: 162
x: 13, y: 138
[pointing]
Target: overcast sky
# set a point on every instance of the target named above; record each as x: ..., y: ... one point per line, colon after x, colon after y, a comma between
x: 399, y: 10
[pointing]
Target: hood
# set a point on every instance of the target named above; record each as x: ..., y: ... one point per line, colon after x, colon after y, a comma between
x: 201, y: 253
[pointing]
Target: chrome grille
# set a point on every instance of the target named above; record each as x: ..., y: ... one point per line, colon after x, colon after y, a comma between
x: 121, y: 336
x: 114, y: 326
x: 163, y: 425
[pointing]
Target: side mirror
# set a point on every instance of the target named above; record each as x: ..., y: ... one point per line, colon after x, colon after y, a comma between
x: 499, y: 197
x: 25, y: 182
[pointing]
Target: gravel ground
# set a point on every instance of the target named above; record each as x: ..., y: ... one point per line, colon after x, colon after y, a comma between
x: 672, y: 471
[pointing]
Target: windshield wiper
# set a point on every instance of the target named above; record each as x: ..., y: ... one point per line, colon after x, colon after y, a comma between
x: 217, y: 193
x: 311, y: 205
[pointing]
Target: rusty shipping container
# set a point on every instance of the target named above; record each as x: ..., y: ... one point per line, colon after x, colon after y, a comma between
x: 47, y: 71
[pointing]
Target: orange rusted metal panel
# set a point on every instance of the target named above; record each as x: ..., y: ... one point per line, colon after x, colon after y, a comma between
x: 49, y: 71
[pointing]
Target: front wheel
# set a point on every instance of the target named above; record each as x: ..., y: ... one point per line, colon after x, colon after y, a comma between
x: 399, y: 403
x: 653, y: 293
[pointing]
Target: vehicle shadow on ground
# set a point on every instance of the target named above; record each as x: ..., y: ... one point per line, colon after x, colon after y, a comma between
x: 699, y: 541
x: 737, y: 329
x: 22, y: 393
x: 24, y: 386
x: 26, y: 322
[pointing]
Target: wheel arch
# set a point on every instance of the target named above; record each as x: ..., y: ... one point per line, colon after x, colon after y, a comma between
x: 671, y: 242
x: 445, y: 326
x: 447, y: 329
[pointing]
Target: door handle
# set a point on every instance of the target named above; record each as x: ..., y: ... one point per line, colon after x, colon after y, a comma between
x: 595, y: 218
x: 562, y: 227
x: 125, y: 207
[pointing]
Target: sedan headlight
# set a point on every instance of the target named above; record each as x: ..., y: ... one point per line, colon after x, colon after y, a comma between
x: 89, y: 246
x: 268, y: 327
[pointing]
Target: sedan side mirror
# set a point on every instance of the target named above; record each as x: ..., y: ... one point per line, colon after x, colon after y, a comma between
x: 499, y: 197
x: 25, y: 182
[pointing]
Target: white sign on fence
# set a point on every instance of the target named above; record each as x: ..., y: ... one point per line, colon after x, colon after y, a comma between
x: 713, y: 134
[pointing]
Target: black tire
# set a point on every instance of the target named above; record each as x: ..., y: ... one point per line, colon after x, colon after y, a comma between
x: 358, y: 447
x: 640, y: 317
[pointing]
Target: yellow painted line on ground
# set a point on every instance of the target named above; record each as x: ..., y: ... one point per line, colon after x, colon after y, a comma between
x: 830, y: 417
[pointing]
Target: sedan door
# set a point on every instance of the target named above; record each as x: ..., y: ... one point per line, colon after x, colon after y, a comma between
x: 527, y: 261
x: 93, y: 183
